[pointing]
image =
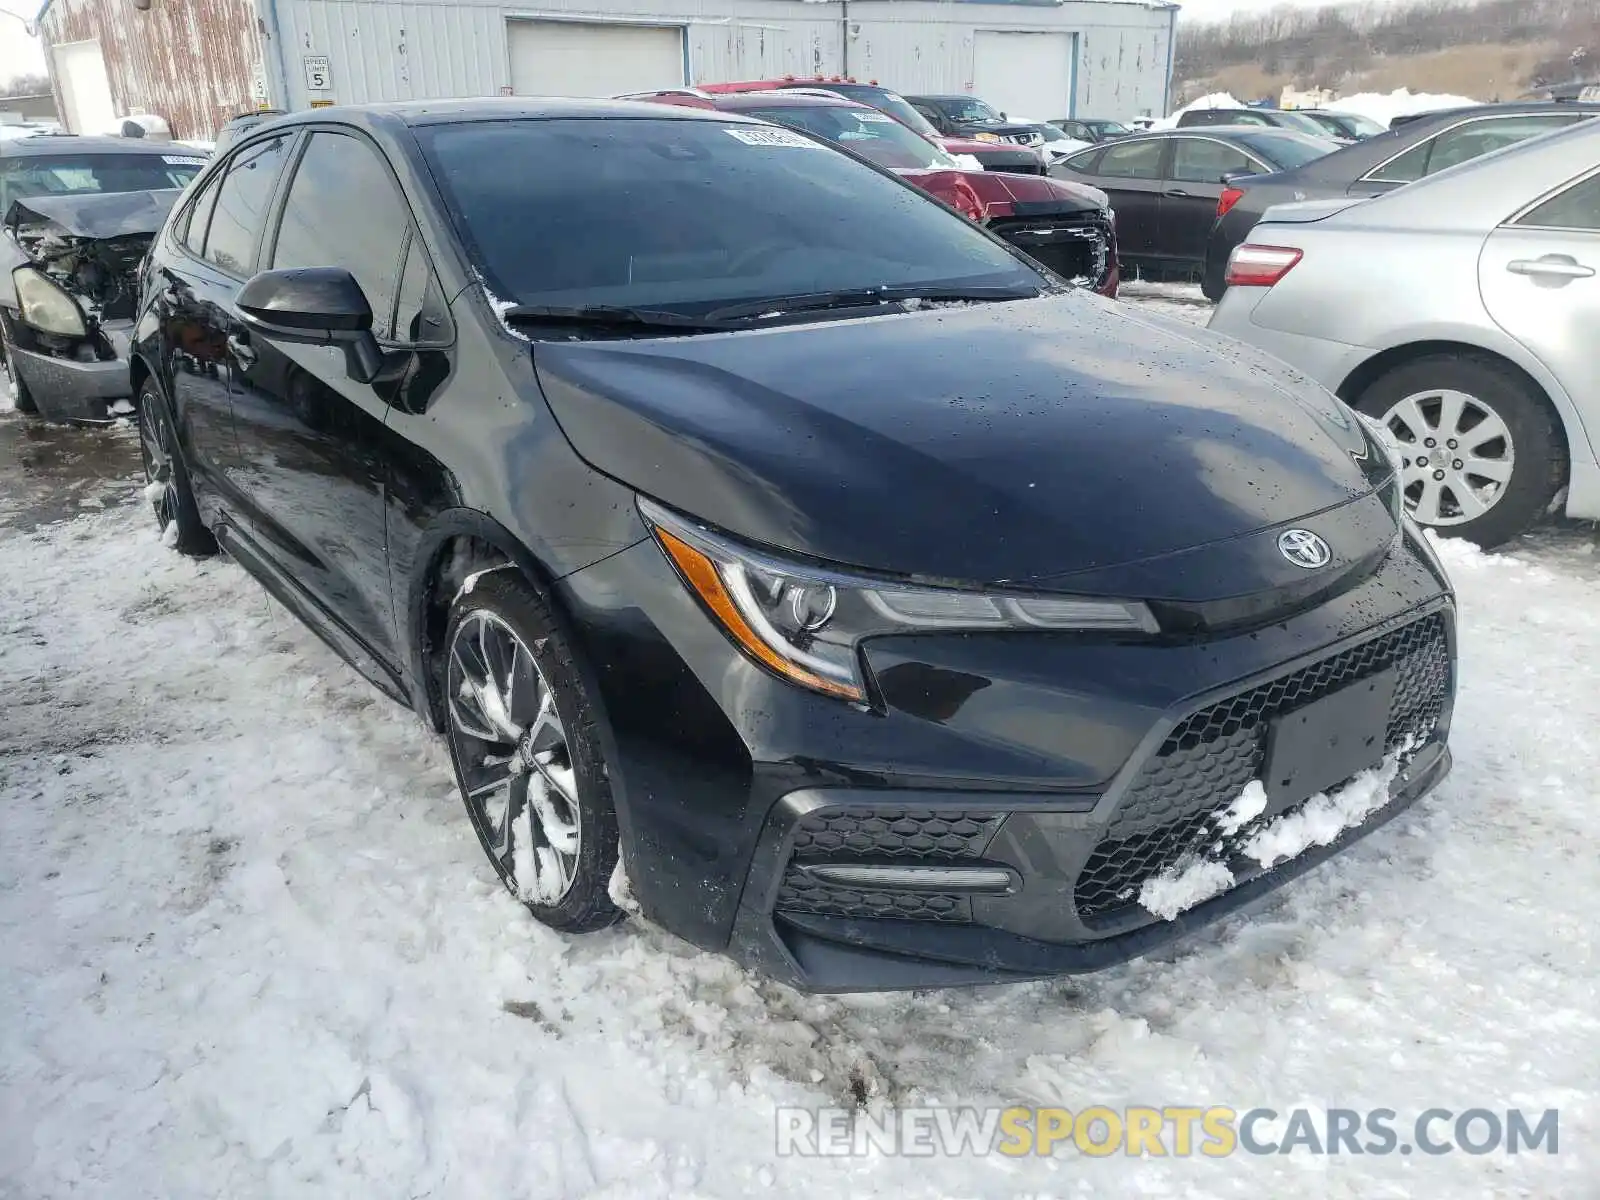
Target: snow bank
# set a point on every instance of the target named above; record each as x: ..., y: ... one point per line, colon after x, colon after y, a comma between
x: 250, y: 946
x: 1377, y: 106
x: 1402, y: 102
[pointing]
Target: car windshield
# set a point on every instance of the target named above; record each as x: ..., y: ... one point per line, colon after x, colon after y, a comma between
x: 867, y: 131
x: 84, y: 174
x: 1108, y: 128
x: 1286, y: 148
x: 692, y: 215
x: 970, y: 111
x: 898, y: 108
x: 1300, y: 123
x: 1358, y: 125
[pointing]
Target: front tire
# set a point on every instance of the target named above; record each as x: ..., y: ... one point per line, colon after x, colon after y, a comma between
x: 523, y: 741
x: 1483, y: 452
x: 166, y: 476
x: 20, y: 395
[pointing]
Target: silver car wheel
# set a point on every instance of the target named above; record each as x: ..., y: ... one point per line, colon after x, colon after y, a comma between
x: 1457, y: 455
x: 516, y: 762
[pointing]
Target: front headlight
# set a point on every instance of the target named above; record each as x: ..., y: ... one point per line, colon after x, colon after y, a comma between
x: 45, y: 306
x: 806, y: 623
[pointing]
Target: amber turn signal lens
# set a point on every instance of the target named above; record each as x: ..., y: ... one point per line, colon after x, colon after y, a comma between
x: 701, y: 574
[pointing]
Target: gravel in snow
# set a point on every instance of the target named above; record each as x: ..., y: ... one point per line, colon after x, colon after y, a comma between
x: 249, y: 946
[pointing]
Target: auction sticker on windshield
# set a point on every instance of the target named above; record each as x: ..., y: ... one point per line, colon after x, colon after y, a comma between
x: 774, y: 137
x: 875, y: 118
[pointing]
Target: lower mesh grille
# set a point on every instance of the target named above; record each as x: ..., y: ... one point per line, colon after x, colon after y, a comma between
x: 799, y: 894
x: 925, y: 836
x: 1209, y: 757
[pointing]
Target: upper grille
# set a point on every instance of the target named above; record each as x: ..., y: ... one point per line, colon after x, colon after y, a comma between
x: 1209, y: 757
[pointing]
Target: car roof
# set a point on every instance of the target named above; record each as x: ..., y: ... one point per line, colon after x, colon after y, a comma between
x: 939, y: 96
x: 504, y: 108
x: 39, y: 144
x: 783, y: 98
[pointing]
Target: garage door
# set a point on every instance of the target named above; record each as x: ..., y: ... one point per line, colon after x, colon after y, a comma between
x: 1025, y: 74
x: 85, y: 87
x: 592, y: 58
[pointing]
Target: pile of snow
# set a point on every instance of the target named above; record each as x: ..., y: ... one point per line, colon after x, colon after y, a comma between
x: 1402, y: 102
x: 1214, y: 100
x: 1381, y: 107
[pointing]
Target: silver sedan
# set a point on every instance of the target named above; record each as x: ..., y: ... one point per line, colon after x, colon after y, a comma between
x: 1462, y: 311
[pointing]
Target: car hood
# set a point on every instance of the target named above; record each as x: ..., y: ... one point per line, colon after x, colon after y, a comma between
x: 1034, y: 194
x: 99, y: 215
x: 1032, y: 440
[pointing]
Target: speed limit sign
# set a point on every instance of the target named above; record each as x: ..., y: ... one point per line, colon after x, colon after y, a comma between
x: 318, y: 77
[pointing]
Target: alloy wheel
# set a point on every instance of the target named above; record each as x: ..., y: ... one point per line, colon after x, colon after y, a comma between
x: 155, y: 447
x: 515, y: 759
x: 1457, y: 455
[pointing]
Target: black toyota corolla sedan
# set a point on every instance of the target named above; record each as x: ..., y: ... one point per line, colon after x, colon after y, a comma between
x: 900, y: 615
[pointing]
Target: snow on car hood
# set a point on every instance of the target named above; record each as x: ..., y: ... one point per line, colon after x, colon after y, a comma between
x: 1011, y: 441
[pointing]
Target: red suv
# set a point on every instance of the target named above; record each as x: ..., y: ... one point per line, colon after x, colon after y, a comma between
x: 1066, y: 226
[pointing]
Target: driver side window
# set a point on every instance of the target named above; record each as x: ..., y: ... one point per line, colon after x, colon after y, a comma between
x: 321, y: 228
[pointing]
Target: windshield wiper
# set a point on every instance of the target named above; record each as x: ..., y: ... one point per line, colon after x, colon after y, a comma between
x: 614, y: 315
x: 777, y: 306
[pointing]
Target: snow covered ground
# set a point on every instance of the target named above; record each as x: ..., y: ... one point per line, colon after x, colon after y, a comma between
x: 249, y: 946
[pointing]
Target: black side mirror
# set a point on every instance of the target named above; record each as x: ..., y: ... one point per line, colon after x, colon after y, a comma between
x: 315, y: 306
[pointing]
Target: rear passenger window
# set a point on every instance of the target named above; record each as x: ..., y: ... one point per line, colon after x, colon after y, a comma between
x: 1132, y: 160
x: 1466, y: 142
x: 344, y: 210
x: 1195, y: 160
x: 241, y: 206
x: 1576, y: 208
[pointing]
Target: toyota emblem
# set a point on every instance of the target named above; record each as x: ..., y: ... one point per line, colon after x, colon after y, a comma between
x: 1304, y: 548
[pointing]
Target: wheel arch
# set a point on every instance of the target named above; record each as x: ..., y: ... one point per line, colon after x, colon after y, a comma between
x: 460, y: 542
x: 1574, y: 437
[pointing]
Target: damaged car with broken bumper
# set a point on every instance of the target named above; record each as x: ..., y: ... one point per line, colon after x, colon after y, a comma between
x: 76, y: 219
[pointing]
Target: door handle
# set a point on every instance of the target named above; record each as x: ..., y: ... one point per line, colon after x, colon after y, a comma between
x: 1555, y: 266
x: 1176, y: 193
x: 242, y: 350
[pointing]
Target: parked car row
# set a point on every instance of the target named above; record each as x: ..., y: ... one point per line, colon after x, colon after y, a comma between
x: 890, y: 613
x: 1166, y: 187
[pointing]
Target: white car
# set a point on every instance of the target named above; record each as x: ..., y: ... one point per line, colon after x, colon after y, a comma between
x: 1057, y: 145
x: 1461, y: 311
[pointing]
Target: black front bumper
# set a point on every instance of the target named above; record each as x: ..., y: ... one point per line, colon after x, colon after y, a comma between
x: 968, y: 941
x: 1077, y: 768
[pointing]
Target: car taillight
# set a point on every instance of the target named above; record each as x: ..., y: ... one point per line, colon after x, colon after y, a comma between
x: 1260, y: 266
x: 1229, y: 197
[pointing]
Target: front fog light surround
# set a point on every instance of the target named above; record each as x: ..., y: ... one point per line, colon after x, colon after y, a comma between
x: 806, y: 623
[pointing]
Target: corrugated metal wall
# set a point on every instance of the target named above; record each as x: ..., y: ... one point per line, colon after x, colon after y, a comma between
x: 425, y: 49
x: 191, y: 62
x: 194, y: 62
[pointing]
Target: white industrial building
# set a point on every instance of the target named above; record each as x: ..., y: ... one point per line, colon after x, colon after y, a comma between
x: 1042, y: 58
